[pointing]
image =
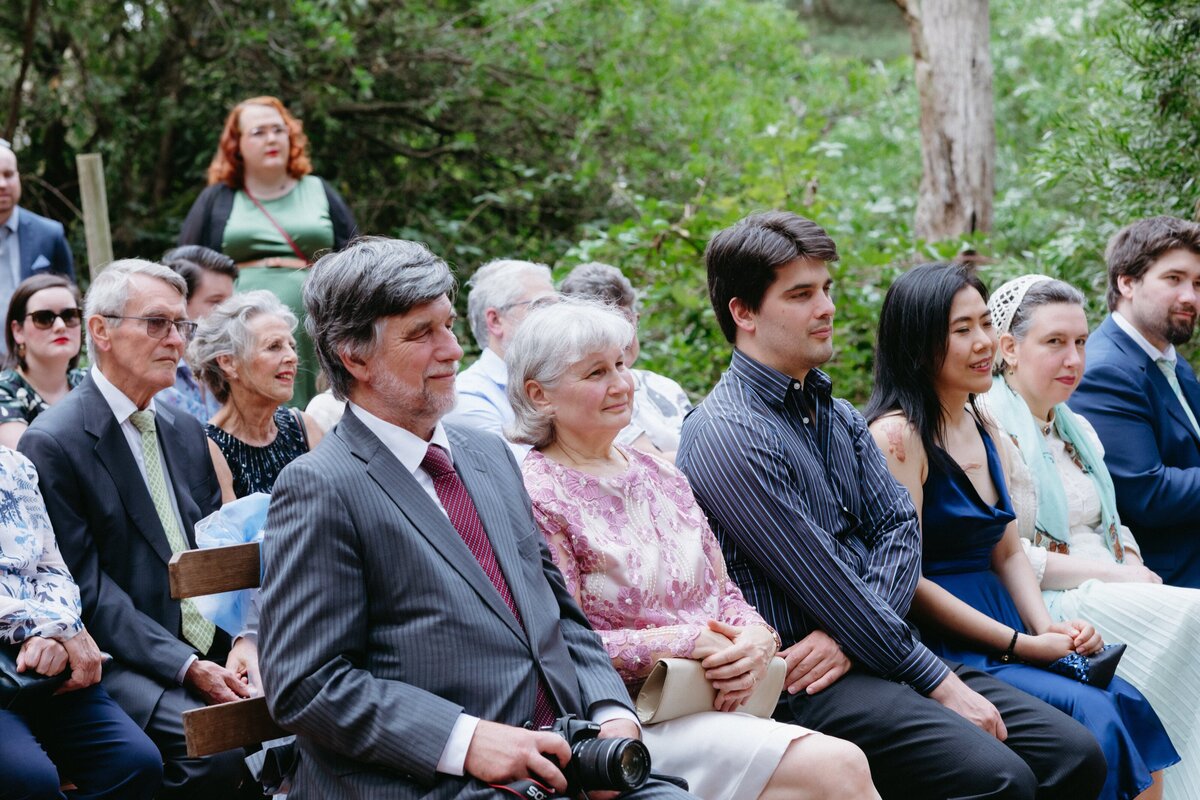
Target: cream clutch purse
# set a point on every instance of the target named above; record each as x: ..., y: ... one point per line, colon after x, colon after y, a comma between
x: 677, y: 687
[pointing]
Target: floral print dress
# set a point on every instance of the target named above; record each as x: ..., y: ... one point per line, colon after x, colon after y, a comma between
x: 38, y: 596
x: 637, y: 553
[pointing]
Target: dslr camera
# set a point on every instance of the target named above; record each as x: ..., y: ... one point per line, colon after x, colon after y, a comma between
x: 596, y: 764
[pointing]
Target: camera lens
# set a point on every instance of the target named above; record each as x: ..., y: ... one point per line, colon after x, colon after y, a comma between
x: 620, y: 764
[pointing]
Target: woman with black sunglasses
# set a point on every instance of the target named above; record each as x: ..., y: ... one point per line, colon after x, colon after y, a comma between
x: 43, y: 338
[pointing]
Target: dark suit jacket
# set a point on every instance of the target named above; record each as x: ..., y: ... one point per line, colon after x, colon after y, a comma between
x: 111, y: 537
x: 1150, y: 448
x: 43, y: 246
x: 379, y: 627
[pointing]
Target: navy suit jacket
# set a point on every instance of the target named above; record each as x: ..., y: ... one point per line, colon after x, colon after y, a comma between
x: 111, y: 536
x: 1150, y: 446
x: 43, y: 245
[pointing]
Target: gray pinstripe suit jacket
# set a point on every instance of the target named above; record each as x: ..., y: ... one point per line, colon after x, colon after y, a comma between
x: 379, y: 627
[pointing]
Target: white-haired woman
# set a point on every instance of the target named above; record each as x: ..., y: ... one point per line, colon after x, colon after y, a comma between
x: 638, y: 555
x: 245, y: 353
x: 1086, y: 560
x: 659, y: 403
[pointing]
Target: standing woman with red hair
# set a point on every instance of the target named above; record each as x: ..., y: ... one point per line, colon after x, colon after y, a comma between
x: 264, y: 209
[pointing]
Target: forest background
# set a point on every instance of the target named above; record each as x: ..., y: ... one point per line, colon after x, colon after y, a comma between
x: 626, y: 131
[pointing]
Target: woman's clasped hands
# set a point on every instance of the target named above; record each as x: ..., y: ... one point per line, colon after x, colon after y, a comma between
x: 734, y: 659
x: 1059, y: 639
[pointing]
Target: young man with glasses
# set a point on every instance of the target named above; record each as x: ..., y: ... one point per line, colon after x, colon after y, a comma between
x: 29, y: 244
x: 125, y: 481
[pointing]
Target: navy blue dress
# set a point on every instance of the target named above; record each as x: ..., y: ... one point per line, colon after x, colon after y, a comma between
x: 960, y: 531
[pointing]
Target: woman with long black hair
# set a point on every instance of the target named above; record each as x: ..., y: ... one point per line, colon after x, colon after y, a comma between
x: 978, y: 601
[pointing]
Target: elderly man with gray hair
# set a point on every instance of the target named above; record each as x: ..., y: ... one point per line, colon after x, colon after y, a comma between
x: 502, y: 292
x: 416, y: 635
x: 125, y: 481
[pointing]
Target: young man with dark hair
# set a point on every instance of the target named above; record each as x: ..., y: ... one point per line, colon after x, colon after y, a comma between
x: 826, y: 544
x: 1143, y: 399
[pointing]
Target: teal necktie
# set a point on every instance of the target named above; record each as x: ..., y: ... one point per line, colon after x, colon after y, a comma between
x: 196, y: 629
x: 1168, y: 369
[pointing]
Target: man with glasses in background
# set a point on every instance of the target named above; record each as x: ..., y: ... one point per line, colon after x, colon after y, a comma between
x: 29, y: 244
x: 125, y: 480
x: 501, y: 294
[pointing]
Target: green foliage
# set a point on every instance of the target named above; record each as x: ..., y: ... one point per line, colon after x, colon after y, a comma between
x: 626, y: 131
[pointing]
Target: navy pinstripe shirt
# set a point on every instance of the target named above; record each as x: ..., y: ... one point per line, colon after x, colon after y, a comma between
x: 815, y: 530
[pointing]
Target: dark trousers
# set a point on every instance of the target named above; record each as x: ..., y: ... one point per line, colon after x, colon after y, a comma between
x: 918, y: 748
x: 186, y: 778
x: 90, y: 739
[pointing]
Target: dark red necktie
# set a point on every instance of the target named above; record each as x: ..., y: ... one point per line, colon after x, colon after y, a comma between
x: 465, y: 518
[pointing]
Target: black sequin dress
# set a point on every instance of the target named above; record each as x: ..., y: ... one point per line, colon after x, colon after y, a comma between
x: 256, y: 468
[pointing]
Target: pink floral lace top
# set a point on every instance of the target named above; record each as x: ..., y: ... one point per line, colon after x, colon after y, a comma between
x: 637, y: 553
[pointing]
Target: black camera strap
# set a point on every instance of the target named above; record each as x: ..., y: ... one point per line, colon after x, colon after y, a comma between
x: 527, y: 788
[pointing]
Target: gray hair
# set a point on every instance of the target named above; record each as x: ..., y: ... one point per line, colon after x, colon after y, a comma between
x: 552, y: 340
x: 1042, y: 293
x: 109, y: 293
x: 226, y: 332
x: 497, y: 284
x: 602, y: 282
x: 350, y: 292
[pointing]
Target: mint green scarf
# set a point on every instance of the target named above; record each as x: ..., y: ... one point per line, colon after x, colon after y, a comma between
x: 1053, y: 517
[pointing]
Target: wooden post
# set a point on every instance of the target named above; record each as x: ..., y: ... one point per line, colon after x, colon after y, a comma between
x: 95, y: 211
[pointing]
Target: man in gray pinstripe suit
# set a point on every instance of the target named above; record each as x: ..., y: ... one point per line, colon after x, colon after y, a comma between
x: 408, y: 662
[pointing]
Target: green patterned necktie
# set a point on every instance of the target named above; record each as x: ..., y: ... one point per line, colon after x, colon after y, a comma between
x: 1168, y: 369
x: 196, y: 629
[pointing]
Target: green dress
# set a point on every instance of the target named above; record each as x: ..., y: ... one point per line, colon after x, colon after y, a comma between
x: 249, y: 235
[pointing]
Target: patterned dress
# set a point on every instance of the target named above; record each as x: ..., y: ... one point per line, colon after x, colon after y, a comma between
x: 38, y: 596
x: 637, y: 553
x: 20, y: 402
x: 256, y: 468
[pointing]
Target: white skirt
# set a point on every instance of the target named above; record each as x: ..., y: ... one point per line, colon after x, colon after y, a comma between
x: 722, y: 755
x: 1161, y: 625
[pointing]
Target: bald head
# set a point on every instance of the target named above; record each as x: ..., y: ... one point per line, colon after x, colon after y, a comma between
x: 10, y: 183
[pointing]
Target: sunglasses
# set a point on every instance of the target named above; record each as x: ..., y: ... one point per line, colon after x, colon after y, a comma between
x: 44, y: 319
x: 158, y: 327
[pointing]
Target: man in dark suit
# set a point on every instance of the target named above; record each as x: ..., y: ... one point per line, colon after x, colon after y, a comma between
x: 125, y: 481
x: 415, y: 633
x: 29, y: 243
x: 1143, y: 399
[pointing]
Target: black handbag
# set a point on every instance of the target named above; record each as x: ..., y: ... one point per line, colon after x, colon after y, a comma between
x: 1096, y: 670
x: 20, y: 686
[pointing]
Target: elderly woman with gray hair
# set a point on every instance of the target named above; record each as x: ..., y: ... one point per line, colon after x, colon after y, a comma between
x: 245, y: 353
x: 1086, y: 561
x: 637, y: 554
x: 659, y: 403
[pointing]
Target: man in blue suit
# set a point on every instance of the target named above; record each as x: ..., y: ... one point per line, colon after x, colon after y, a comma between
x: 1143, y: 399
x: 29, y: 243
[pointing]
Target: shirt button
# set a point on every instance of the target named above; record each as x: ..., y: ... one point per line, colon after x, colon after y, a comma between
x: 805, y: 420
x: 797, y: 386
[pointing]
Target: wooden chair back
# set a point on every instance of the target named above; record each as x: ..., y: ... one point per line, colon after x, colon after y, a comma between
x: 240, y: 723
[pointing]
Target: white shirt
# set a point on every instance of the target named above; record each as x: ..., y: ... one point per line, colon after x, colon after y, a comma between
x: 409, y: 449
x: 1142, y: 342
x: 10, y: 260
x: 123, y: 408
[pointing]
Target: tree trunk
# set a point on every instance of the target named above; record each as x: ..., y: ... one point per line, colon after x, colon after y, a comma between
x: 953, y: 65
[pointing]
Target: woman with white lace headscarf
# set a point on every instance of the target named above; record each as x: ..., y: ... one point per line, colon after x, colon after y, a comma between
x: 1088, y: 563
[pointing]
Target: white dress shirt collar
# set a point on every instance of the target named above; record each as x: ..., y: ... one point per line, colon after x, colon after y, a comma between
x: 492, y: 365
x: 122, y: 407
x: 12, y: 221
x: 408, y: 448
x: 1141, y: 341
